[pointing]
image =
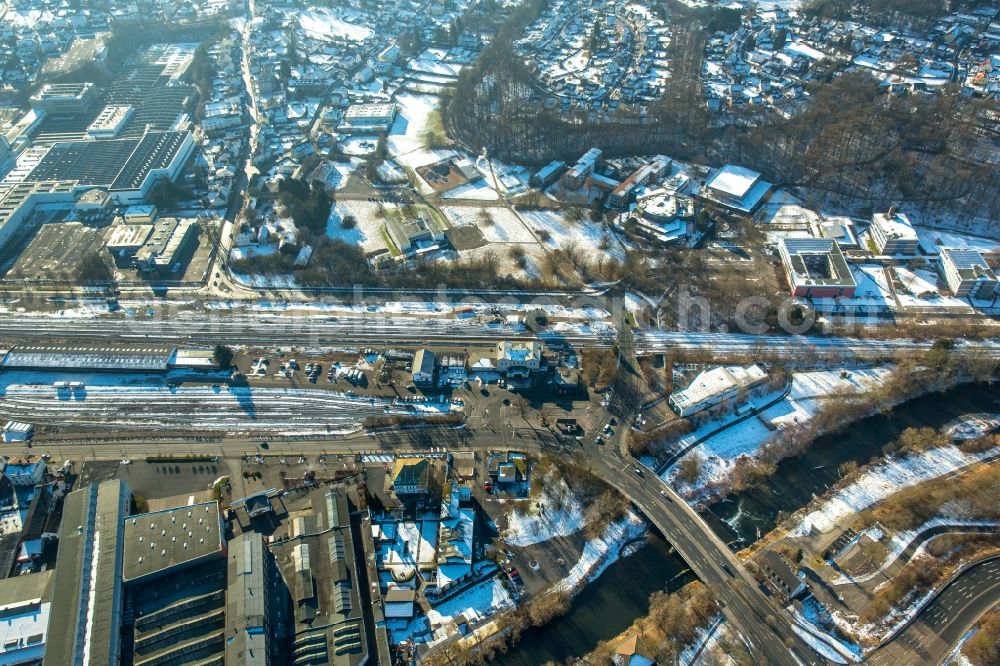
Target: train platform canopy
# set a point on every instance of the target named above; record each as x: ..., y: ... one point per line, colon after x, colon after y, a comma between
x: 73, y: 356
x: 139, y: 357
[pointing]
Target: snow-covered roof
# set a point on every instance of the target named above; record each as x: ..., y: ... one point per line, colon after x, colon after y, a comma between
x: 733, y: 180
x: 717, y: 381
x: 895, y: 225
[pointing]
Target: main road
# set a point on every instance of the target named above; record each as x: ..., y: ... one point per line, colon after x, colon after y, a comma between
x: 941, y: 623
x: 758, y: 618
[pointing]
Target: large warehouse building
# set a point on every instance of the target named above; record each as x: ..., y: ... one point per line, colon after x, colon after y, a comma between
x: 126, y: 168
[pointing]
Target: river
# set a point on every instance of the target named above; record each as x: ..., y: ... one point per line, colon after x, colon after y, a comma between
x: 798, y: 480
x: 610, y: 604
x: 603, y: 609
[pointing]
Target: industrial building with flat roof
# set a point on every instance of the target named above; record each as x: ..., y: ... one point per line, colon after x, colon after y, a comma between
x: 110, y: 121
x: 816, y: 268
x: 125, y: 240
x: 87, y: 602
x: 174, y: 575
x: 119, y: 165
x: 167, y: 244
x: 138, y: 357
x: 127, y: 168
x: 715, y: 386
x: 25, y: 607
x: 64, y: 98
x: 163, y: 542
x: 365, y: 118
x: 81, y: 356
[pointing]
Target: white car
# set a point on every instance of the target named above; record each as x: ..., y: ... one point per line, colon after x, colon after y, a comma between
x: 126, y: 462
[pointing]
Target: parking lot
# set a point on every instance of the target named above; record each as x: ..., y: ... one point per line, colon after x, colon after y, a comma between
x: 56, y: 252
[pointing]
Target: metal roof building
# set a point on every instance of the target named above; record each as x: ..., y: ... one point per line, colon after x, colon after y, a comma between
x: 319, y: 568
x: 714, y: 386
x: 247, y: 599
x: 87, y: 603
x: 816, y: 267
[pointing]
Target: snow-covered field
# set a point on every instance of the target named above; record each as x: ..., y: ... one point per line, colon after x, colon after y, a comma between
x: 923, y: 282
x: 502, y: 225
x: 437, y: 63
x: 359, y: 146
x: 971, y: 426
x: 883, y: 480
x: 477, y: 191
x: 368, y: 231
x: 406, y: 136
x: 587, y: 235
x: 558, y: 512
x: 933, y: 240
x: 321, y: 23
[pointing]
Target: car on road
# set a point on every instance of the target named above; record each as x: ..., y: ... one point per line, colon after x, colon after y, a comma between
x: 637, y: 471
x: 126, y: 462
x: 665, y: 494
x: 264, y: 445
x: 488, y: 487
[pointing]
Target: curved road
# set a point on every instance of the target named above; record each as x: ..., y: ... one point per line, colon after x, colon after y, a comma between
x: 941, y: 624
x: 759, y: 619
